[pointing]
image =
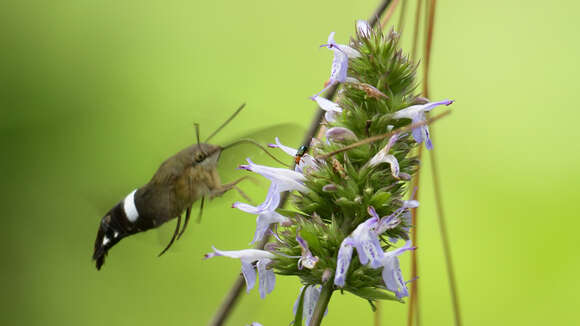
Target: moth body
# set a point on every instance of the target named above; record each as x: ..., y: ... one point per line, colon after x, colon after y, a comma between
x: 180, y: 181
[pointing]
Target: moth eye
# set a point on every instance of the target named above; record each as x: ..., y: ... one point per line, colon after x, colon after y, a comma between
x: 199, y: 157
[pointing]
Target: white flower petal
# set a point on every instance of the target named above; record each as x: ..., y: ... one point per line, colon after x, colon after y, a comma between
x: 263, y: 222
x: 267, y: 278
x: 343, y: 261
x: 249, y: 275
x: 249, y: 255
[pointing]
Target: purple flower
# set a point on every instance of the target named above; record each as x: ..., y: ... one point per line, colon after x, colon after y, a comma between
x: 266, y: 212
x: 340, y: 48
x: 307, y: 259
x: 247, y: 257
x: 332, y: 109
x: 271, y: 203
x: 383, y: 156
x: 402, y: 214
x: 307, y: 161
x: 343, y: 261
x: 340, y: 61
x: 367, y: 245
x: 310, y: 298
x: 417, y: 114
x: 392, y: 275
x: 284, y: 179
x: 410, y: 204
x: 385, y: 223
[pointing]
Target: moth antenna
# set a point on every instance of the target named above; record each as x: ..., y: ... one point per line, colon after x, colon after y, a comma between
x: 225, y: 123
x: 253, y: 142
x: 196, y: 125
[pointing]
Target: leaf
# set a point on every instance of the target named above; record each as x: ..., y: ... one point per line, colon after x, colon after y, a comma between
x: 298, y: 315
x: 311, y: 238
x: 370, y: 293
x: 380, y: 198
x: 345, y: 202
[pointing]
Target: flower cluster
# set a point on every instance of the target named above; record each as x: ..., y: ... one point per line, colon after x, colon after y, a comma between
x: 351, y: 204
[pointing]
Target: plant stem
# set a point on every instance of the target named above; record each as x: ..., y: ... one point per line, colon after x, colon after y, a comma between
x: 435, y: 174
x: 322, y: 303
x: 378, y: 313
x: 444, y: 238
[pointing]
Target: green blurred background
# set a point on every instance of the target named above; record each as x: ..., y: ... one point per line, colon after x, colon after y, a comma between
x: 95, y: 94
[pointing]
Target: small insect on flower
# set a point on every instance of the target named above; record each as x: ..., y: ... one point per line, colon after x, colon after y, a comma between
x: 301, y: 151
x: 181, y: 180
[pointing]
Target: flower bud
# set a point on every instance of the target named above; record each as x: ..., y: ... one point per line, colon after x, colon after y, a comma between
x: 331, y: 187
x: 363, y: 28
x: 326, y: 275
x: 340, y: 135
x: 419, y: 100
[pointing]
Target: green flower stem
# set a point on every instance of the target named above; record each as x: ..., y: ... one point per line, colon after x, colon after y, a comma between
x: 322, y: 303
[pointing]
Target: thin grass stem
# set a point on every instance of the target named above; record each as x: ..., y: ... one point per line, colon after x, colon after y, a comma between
x: 402, y: 14
x: 416, y: 29
x: 435, y: 173
x: 412, y: 309
x: 383, y: 136
x: 389, y: 13
x: 444, y: 237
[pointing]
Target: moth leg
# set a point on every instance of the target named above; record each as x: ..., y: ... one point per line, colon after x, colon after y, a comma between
x: 227, y: 187
x: 173, y: 237
x: 187, y: 215
x: 200, y: 210
x: 243, y: 194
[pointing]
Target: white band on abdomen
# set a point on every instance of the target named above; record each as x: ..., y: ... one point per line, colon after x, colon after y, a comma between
x: 130, y: 208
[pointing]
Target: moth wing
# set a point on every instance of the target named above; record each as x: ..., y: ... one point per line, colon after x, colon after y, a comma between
x: 170, y: 170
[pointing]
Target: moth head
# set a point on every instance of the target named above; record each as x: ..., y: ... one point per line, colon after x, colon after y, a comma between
x: 206, y: 155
